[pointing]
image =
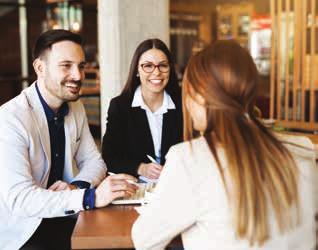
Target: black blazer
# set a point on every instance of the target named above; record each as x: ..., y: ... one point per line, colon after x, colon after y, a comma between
x: 128, y: 139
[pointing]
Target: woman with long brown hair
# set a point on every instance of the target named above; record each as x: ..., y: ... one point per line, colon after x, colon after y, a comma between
x: 236, y: 185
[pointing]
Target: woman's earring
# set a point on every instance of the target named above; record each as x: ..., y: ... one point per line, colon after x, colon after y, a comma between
x: 137, y: 75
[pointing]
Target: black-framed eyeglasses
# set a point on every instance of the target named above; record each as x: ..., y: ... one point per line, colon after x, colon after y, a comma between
x: 150, y: 67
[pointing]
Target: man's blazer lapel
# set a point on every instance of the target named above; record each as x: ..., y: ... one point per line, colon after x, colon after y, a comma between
x: 40, y: 121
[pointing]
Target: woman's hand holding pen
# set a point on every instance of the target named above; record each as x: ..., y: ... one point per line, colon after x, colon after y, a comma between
x: 114, y: 186
x: 150, y: 170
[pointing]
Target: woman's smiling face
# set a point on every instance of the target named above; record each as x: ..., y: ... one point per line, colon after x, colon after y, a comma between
x: 154, y: 71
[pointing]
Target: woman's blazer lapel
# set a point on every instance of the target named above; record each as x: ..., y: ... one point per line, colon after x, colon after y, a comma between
x: 140, y: 127
x: 169, y: 126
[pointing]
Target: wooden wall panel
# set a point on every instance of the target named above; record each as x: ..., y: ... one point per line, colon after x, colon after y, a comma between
x: 294, y: 60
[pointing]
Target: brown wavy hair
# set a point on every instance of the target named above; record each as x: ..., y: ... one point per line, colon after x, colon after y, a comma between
x: 262, y: 172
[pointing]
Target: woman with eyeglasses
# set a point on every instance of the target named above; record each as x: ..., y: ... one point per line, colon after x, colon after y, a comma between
x: 146, y: 118
x: 235, y: 185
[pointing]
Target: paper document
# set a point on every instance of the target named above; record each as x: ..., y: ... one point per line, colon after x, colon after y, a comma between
x: 142, y: 195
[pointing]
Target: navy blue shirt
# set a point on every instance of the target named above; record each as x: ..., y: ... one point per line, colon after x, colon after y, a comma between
x: 57, y: 138
x: 57, y: 141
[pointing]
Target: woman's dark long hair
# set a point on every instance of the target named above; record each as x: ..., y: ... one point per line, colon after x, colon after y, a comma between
x: 133, y: 81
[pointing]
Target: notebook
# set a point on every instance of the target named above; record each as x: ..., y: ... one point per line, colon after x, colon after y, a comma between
x: 140, y: 197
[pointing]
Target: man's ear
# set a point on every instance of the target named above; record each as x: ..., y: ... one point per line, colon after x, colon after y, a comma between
x: 39, y: 66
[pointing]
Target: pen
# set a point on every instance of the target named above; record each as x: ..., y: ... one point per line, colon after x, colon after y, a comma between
x: 152, y: 159
x: 129, y: 181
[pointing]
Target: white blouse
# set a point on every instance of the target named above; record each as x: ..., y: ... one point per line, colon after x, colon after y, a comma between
x: 190, y: 200
x: 154, y: 118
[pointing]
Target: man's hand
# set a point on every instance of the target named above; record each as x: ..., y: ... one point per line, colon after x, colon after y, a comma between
x: 150, y: 170
x: 61, y: 185
x: 114, y: 186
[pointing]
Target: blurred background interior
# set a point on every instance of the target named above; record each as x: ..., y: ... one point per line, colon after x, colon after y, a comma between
x: 280, y: 35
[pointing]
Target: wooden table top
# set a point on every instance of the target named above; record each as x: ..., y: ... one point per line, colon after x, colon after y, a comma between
x: 107, y: 228
x: 104, y: 228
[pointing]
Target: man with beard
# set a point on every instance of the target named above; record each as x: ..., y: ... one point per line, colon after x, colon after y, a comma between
x: 50, y: 167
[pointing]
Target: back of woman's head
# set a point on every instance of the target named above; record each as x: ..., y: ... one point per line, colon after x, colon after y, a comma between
x: 259, y: 166
x: 133, y: 81
x: 225, y: 75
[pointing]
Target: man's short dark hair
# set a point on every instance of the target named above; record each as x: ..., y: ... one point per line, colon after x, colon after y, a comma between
x: 48, y: 38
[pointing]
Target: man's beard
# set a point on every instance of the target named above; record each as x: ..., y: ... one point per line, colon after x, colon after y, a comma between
x: 72, y: 84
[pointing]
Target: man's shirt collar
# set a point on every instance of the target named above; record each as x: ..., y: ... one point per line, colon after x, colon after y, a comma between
x: 49, y: 113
